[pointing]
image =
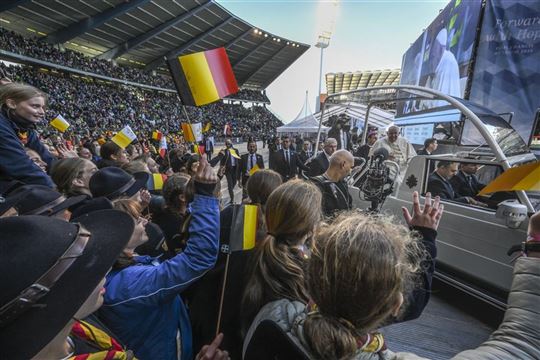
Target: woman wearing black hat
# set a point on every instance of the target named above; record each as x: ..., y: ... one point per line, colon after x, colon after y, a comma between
x: 69, y: 261
x: 21, y: 108
x: 113, y: 183
x: 142, y: 303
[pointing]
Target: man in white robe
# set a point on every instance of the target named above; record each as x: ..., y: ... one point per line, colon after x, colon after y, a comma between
x: 446, y: 76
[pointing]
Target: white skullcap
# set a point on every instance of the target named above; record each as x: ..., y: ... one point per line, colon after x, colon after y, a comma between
x: 442, y: 37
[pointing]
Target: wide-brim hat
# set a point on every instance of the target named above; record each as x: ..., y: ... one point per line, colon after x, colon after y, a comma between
x: 42, y: 200
x: 113, y: 182
x: 96, y: 204
x: 30, y: 246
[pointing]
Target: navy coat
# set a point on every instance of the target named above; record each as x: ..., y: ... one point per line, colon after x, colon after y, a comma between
x: 14, y: 163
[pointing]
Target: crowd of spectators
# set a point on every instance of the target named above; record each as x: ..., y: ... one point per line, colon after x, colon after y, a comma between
x: 34, y: 48
x: 94, y: 105
x: 250, y: 95
x: 41, y: 50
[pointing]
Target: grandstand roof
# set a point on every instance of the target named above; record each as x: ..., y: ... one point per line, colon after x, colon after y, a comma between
x: 339, y: 82
x: 143, y: 32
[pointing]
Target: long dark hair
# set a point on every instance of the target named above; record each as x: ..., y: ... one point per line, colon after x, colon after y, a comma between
x: 276, y: 269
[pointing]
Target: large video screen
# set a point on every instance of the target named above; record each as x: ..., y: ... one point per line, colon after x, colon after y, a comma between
x: 441, y: 56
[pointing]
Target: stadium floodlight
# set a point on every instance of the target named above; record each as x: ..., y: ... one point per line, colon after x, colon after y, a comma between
x: 255, y: 31
x: 265, y: 35
x: 322, y: 43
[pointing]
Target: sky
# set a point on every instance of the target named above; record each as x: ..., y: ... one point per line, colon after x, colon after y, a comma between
x: 365, y: 35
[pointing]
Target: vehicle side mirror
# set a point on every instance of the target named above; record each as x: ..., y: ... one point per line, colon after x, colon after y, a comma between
x: 512, y: 212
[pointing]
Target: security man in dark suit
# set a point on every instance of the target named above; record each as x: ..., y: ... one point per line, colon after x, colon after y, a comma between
x: 336, y: 196
x: 319, y: 164
x: 247, y: 163
x: 341, y: 131
x: 306, y: 152
x: 439, y: 183
x: 229, y: 162
x: 286, y: 161
x: 465, y: 183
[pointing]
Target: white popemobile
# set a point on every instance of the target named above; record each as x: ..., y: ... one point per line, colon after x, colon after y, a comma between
x: 472, y: 241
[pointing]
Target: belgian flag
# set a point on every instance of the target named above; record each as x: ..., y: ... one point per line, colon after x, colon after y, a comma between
x: 203, y: 77
x: 244, y: 227
x: 156, y: 181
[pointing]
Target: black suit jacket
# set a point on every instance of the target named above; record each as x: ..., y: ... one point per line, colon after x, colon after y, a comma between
x: 423, y: 152
x: 226, y: 160
x: 363, y: 151
x: 244, y: 166
x: 437, y: 186
x: 304, y: 156
x: 335, y: 133
x: 288, y: 170
x: 462, y: 187
x: 318, y: 165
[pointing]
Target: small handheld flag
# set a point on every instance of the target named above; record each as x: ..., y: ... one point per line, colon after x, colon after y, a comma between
x: 156, y: 181
x: 124, y: 137
x: 192, y: 132
x: 244, y: 228
x: 59, y: 123
x: 157, y: 135
x: 203, y: 77
x: 188, y: 132
x: 163, y: 147
x: 234, y: 154
x: 207, y: 127
x: 254, y: 169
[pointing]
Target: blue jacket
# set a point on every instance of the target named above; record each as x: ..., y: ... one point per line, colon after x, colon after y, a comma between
x: 14, y: 163
x: 142, y: 304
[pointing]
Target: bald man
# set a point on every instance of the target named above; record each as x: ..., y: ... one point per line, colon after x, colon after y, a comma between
x: 332, y: 183
x: 399, y: 149
x: 445, y: 77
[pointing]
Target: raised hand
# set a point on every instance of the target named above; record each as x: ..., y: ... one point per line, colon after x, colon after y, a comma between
x: 64, y: 152
x: 429, y: 216
x: 205, y: 174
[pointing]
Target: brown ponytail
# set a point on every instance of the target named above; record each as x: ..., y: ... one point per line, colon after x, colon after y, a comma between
x: 276, y: 270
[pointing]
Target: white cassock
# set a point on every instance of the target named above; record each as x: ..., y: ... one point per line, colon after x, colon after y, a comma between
x: 445, y: 79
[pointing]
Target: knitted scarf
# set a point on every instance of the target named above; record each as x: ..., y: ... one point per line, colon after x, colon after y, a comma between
x: 110, y: 348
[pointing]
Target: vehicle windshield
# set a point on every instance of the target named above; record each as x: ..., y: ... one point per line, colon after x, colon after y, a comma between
x: 507, y: 138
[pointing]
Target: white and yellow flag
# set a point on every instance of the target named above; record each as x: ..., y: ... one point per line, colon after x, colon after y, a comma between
x: 124, y: 137
x: 59, y: 123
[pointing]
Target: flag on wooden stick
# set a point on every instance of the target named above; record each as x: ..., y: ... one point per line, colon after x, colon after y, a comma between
x: 244, y: 228
x: 203, y: 77
x: 192, y: 132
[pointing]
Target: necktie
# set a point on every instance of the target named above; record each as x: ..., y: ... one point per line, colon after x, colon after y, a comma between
x: 287, y: 157
x: 252, y: 162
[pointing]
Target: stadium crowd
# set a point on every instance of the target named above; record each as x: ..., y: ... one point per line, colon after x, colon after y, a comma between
x: 94, y: 105
x: 32, y: 47
x: 113, y: 253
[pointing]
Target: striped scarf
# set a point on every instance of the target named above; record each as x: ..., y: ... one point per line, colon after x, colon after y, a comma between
x: 110, y: 348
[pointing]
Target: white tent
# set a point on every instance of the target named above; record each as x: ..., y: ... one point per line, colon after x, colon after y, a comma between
x: 304, y: 123
x: 357, y: 112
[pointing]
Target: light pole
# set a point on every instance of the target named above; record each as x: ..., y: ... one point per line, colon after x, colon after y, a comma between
x: 322, y: 43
